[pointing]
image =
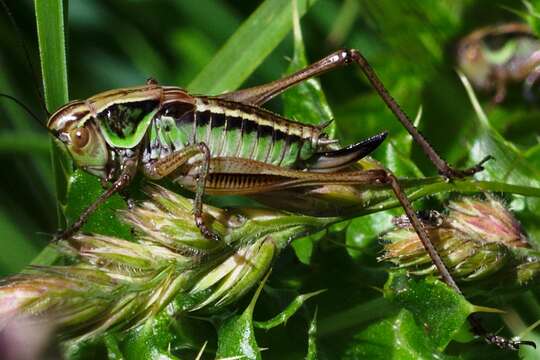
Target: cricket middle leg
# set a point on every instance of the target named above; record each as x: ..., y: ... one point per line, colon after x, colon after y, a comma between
x: 163, y: 167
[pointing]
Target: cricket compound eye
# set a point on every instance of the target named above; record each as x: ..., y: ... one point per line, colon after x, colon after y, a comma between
x: 80, y: 137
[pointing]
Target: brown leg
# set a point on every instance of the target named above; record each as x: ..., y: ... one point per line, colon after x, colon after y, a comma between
x: 165, y: 166
x: 123, y: 180
x: 500, y: 94
x: 421, y: 232
x: 499, y: 79
x: 418, y: 226
x: 160, y: 168
x: 199, y: 192
x: 260, y: 94
x: 529, y: 85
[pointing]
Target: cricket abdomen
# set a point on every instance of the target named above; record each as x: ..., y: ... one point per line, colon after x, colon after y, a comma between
x: 231, y: 129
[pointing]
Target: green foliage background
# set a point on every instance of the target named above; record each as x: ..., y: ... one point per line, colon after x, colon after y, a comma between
x: 115, y: 43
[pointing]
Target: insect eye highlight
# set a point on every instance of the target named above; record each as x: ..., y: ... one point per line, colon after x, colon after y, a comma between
x: 80, y: 137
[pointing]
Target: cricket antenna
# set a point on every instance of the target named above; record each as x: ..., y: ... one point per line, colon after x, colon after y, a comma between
x: 28, y: 61
x: 25, y: 107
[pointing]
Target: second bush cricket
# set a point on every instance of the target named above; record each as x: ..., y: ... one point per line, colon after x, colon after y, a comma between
x: 228, y: 144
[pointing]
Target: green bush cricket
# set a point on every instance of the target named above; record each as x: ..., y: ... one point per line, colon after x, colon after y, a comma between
x: 228, y: 144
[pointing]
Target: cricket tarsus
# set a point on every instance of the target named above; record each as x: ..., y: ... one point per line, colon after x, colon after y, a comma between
x: 456, y: 173
x: 492, y: 339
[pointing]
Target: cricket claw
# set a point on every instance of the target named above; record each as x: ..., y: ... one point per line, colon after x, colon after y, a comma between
x: 507, y: 344
x: 451, y: 173
x: 205, y: 231
x: 212, y: 236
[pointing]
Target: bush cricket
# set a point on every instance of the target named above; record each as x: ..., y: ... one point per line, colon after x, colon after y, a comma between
x: 492, y: 57
x: 228, y: 144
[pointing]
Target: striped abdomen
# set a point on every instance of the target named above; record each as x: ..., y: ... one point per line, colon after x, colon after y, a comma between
x: 231, y: 129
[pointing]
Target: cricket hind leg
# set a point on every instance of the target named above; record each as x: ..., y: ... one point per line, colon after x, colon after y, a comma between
x: 160, y: 168
x: 258, y: 95
x: 420, y: 230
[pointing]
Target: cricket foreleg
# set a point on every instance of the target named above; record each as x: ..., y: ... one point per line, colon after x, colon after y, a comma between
x: 418, y: 226
x: 123, y: 180
x: 160, y: 168
x: 258, y: 95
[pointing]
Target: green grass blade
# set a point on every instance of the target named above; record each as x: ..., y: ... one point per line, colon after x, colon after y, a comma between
x: 52, y: 53
x: 20, y: 250
x: 306, y: 102
x: 248, y: 47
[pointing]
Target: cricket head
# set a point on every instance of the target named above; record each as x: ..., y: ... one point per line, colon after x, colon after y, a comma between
x: 94, y: 130
x: 74, y: 127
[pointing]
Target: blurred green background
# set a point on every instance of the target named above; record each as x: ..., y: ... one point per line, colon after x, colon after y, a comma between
x: 115, y: 44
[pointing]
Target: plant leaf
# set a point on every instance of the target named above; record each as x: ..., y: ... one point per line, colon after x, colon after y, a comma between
x: 306, y: 101
x: 397, y: 153
x: 236, y: 336
x: 52, y: 52
x: 398, y: 337
x: 289, y: 311
x: 83, y: 189
x: 151, y: 340
x: 312, y: 339
x: 510, y: 165
x: 18, y: 246
x: 24, y: 142
x: 363, y: 231
x: 441, y: 311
